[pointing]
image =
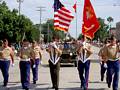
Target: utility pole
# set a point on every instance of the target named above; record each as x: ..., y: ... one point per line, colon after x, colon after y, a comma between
x: 48, y: 30
x: 19, y: 10
x: 20, y: 2
x: 41, y: 9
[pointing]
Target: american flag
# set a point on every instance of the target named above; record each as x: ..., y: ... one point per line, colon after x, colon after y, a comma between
x: 62, y: 17
x: 75, y: 7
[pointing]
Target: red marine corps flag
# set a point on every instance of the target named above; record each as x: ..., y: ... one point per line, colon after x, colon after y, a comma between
x: 62, y: 17
x: 90, y: 22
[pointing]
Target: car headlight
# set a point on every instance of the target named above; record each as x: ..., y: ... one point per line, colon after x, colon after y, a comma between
x: 71, y: 54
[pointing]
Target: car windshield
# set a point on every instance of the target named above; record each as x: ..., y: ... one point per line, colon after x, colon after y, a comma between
x: 69, y: 47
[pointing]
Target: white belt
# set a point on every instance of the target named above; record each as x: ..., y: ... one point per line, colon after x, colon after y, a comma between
x: 113, y: 59
x: 25, y: 59
x: 1, y: 59
x: 37, y: 57
x: 4, y: 60
x: 83, y: 61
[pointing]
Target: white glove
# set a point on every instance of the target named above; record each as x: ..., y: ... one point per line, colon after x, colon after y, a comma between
x: 41, y: 62
x: 34, y: 66
x: 54, y: 45
x: 13, y: 65
x: 105, y: 65
x: 100, y: 63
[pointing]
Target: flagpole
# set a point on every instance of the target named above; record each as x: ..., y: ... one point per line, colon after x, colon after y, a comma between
x: 76, y: 20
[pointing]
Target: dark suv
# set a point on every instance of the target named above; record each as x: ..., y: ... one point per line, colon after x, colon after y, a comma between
x: 69, y: 53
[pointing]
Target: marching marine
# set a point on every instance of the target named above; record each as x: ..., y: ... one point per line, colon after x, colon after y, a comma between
x: 54, y: 62
x: 25, y: 55
x: 113, y: 63
x: 84, y: 51
x: 103, y: 60
x: 35, y: 60
x: 6, y: 56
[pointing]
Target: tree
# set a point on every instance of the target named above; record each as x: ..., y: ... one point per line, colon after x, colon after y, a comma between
x: 48, y: 31
x: 15, y: 27
x: 80, y: 37
x: 102, y: 33
x: 110, y: 20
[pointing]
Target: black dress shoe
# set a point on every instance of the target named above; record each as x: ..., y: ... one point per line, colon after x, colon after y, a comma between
x: 85, y: 88
x: 34, y: 82
x: 53, y: 87
x: 109, y: 85
x: 26, y: 88
x: 56, y: 88
x: 102, y: 79
x: 81, y: 86
x: 5, y: 85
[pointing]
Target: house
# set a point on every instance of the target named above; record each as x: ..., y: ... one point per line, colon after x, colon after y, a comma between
x: 112, y: 31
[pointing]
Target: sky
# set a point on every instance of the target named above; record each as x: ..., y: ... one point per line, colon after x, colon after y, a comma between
x: 103, y: 9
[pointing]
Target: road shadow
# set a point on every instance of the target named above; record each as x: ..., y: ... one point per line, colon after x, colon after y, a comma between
x: 78, y: 88
x: 96, y: 82
x: 14, y: 82
x: 19, y: 87
x: 89, y: 82
x: 11, y: 88
x: 33, y: 87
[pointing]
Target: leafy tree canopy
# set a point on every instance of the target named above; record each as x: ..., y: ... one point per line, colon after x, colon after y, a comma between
x: 14, y: 27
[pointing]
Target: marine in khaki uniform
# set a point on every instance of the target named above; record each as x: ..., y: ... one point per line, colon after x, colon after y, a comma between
x: 83, y: 53
x: 113, y: 63
x: 1, y: 54
x: 6, y: 56
x: 25, y: 55
x: 35, y: 60
x: 54, y: 63
x: 103, y: 59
